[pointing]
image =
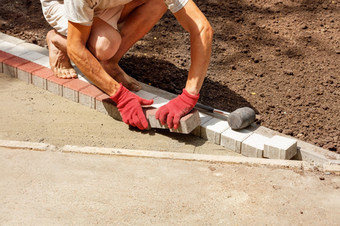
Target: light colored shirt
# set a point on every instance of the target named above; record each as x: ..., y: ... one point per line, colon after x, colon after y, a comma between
x: 175, y: 5
x: 83, y: 11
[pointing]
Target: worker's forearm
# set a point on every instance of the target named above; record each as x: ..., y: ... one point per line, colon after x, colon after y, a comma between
x: 200, y: 59
x: 92, y: 69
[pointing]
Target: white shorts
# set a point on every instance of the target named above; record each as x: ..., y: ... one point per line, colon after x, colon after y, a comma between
x: 54, y: 14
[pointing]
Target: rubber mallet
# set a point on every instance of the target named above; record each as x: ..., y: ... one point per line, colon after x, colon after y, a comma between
x: 238, y: 119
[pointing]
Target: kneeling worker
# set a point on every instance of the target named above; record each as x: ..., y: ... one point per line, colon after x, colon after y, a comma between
x: 95, y: 34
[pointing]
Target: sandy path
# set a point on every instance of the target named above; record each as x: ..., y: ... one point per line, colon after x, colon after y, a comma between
x: 31, y: 114
x: 53, y: 188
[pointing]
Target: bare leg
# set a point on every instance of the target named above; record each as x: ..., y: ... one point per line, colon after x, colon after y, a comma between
x: 138, y: 18
x: 103, y: 43
x: 59, y: 61
x: 117, y: 73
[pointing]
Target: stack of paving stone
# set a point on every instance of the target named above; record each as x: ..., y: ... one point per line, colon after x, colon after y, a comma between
x: 30, y: 63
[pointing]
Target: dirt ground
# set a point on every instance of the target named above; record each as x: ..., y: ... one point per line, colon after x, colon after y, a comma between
x: 281, y: 58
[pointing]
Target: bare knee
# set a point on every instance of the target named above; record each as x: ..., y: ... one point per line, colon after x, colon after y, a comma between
x: 103, y: 48
x: 104, y: 40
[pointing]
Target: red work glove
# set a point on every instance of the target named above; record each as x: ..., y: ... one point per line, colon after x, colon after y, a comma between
x: 129, y: 106
x: 176, y: 108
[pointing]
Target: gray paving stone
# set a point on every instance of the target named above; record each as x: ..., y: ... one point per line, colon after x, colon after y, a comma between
x: 204, y: 118
x: 159, y: 102
x: 88, y: 95
x: 8, y: 38
x: 43, y: 61
x: 187, y: 123
x: 71, y: 94
x: 105, y: 105
x: 253, y: 146
x: 279, y: 147
x: 87, y: 100
x: 146, y: 95
x: 9, y: 70
x: 4, y: 46
x: 232, y: 139
x: 54, y: 88
x: 17, y: 50
x: 212, y: 130
x: 35, y: 48
x: 24, y: 76
x: 55, y: 85
x: 39, y: 82
x: 32, y: 56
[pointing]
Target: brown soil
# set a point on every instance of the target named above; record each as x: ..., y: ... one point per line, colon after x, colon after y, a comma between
x: 281, y: 58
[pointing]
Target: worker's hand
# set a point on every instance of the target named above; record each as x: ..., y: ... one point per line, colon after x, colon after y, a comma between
x: 129, y: 106
x: 172, y: 112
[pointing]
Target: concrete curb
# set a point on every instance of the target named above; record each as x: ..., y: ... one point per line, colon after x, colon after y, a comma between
x: 185, y: 156
x: 331, y: 166
x: 213, y: 127
x: 26, y: 145
x: 277, y: 163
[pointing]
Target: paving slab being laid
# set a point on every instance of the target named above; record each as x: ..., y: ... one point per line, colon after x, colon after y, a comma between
x: 54, y: 188
x: 186, y: 125
x: 33, y: 114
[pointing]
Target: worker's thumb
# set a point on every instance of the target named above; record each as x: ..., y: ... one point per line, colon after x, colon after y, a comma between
x: 145, y: 102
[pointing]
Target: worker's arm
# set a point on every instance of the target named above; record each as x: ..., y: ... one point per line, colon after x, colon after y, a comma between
x: 76, y: 49
x: 128, y: 104
x: 201, y: 34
